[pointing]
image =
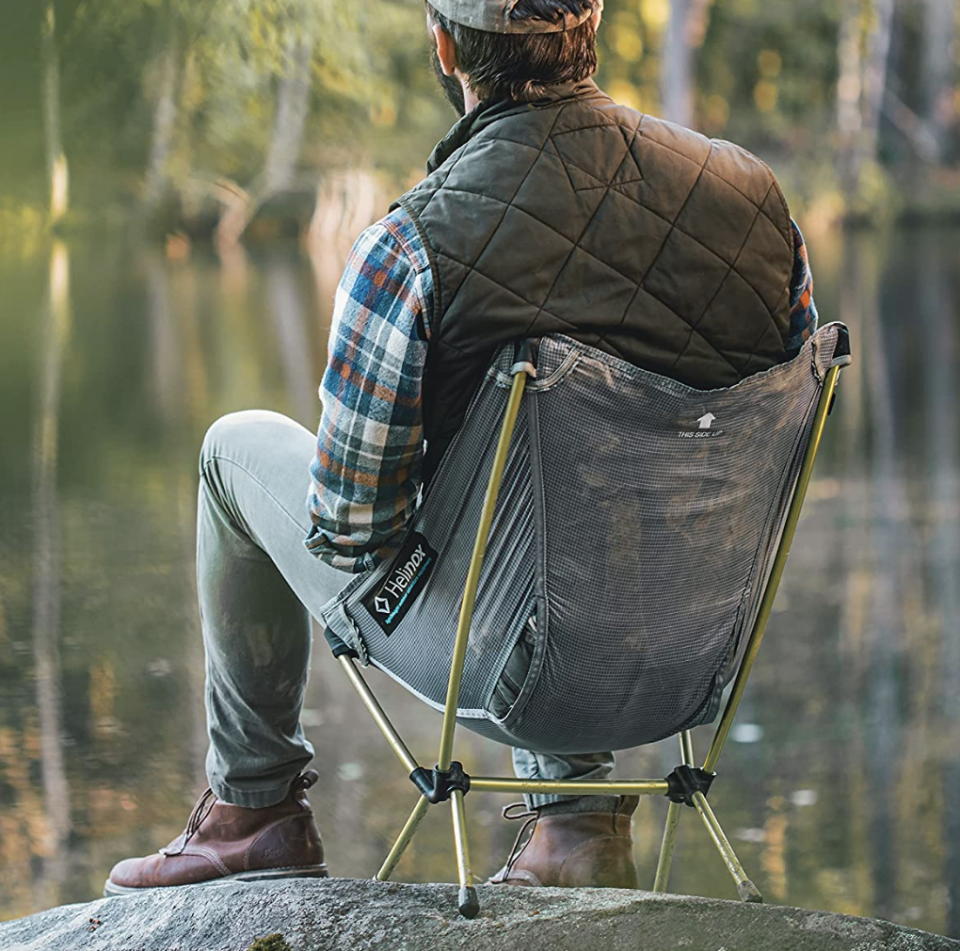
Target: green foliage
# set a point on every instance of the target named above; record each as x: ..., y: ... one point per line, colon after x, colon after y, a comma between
x: 766, y: 74
x: 22, y: 228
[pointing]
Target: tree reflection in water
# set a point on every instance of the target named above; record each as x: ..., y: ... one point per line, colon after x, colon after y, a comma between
x: 843, y: 797
x: 940, y: 350
x: 47, y: 580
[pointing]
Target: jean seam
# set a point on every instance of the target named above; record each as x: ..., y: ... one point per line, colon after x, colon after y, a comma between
x: 257, y: 481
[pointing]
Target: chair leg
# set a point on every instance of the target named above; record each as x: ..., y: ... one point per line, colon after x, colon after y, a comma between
x: 745, y: 888
x: 673, y: 820
x: 469, y: 903
x: 666, y: 847
x: 403, y: 840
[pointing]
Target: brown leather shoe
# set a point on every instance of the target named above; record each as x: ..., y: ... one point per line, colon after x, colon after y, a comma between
x: 573, y: 850
x: 230, y: 843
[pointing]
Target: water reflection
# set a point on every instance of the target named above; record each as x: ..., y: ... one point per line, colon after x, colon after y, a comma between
x: 47, y: 579
x: 285, y: 305
x: 841, y: 788
x: 938, y: 314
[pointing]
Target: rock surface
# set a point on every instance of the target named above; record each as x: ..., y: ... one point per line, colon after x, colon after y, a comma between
x: 352, y: 915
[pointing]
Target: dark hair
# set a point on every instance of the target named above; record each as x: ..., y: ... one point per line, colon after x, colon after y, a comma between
x: 521, y: 65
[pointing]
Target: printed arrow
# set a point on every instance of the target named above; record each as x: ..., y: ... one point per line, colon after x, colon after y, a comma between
x: 706, y: 421
x: 382, y: 605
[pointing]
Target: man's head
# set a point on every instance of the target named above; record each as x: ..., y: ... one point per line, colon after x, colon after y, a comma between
x: 511, y: 49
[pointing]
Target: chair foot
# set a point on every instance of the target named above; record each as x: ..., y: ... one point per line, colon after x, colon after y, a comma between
x: 469, y: 905
x: 749, y: 892
x: 745, y: 888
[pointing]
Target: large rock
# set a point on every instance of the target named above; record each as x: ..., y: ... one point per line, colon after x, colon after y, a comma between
x: 351, y: 915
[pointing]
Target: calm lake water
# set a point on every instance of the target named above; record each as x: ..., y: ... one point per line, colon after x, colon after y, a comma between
x: 841, y: 789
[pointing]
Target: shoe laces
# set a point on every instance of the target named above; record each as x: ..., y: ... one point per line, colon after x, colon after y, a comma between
x: 209, y: 799
x: 200, y: 812
x: 519, y: 843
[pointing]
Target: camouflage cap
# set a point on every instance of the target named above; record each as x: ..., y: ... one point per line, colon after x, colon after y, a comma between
x: 494, y: 16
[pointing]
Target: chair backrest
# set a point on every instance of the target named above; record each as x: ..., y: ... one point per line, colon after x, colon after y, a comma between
x: 636, y: 524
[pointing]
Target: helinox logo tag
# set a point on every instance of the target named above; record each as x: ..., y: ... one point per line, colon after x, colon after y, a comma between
x: 408, y: 574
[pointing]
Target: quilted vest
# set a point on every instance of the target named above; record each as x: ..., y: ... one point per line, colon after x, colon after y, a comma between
x: 572, y: 214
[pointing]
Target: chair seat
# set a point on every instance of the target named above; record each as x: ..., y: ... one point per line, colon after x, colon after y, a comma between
x: 636, y: 523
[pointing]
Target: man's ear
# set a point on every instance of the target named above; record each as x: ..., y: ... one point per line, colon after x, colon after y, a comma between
x: 598, y: 16
x: 446, y: 49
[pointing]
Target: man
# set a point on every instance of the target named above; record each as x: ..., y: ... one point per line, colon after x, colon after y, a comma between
x: 548, y: 208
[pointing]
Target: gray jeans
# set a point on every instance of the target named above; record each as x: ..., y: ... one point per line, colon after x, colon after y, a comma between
x: 258, y: 586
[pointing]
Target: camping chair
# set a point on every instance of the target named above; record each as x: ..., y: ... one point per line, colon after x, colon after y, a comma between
x: 634, y: 529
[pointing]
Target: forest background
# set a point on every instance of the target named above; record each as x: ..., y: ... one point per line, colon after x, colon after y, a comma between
x: 207, y: 118
x: 180, y: 182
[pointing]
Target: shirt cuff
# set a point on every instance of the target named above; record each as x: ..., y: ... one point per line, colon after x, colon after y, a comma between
x: 319, y: 544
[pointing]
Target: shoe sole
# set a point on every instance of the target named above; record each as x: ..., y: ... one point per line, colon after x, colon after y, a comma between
x: 112, y: 890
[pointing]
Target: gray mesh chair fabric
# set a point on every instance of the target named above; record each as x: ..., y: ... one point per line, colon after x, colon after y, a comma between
x: 636, y: 523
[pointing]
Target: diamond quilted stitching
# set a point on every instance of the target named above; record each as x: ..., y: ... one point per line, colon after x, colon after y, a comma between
x: 628, y: 237
x: 521, y: 230
x: 574, y: 144
x: 573, y: 204
x: 692, y: 277
x: 579, y: 179
x: 583, y: 300
x: 717, y: 219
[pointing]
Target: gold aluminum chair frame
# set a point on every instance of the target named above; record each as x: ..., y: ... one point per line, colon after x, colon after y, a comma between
x: 695, y: 792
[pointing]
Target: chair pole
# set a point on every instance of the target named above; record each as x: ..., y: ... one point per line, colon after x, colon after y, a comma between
x: 378, y: 713
x: 403, y: 840
x: 776, y: 573
x: 666, y: 847
x: 673, y: 821
x: 745, y: 888
x: 686, y: 747
x: 476, y: 565
x: 469, y: 904
x: 572, y: 787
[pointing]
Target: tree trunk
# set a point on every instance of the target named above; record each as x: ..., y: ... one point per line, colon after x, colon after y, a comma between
x: 290, y: 117
x: 939, y: 62
x: 686, y: 31
x: 849, y: 93
x: 164, y: 123
x: 293, y: 102
x: 913, y: 128
x: 677, y: 82
x: 875, y: 75
x: 58, y: 179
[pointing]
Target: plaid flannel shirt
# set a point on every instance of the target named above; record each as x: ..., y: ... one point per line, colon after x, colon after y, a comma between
x: 365, y: 476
